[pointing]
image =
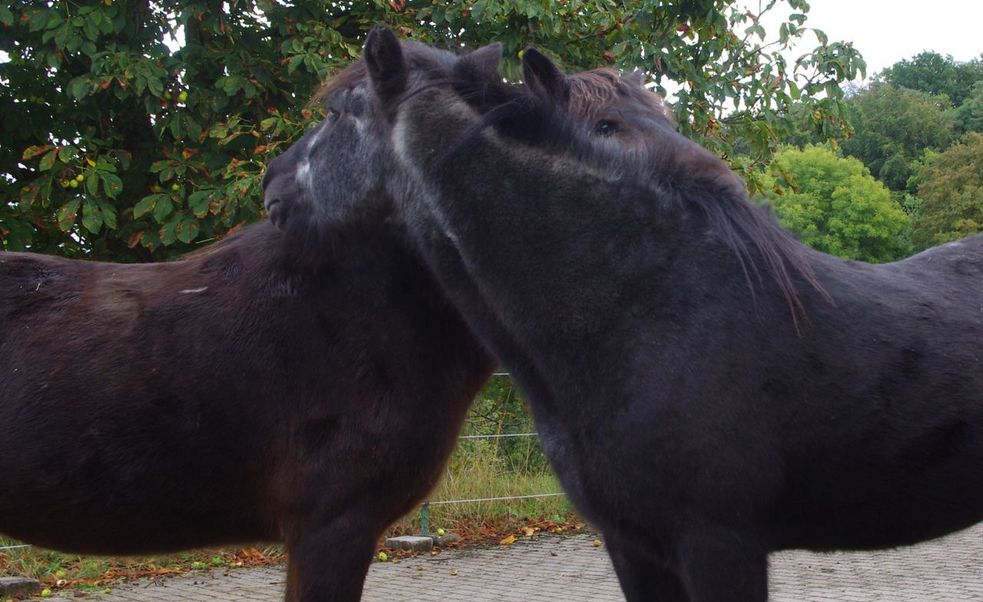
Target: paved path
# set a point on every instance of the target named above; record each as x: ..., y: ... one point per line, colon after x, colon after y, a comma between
x: 571, y: 569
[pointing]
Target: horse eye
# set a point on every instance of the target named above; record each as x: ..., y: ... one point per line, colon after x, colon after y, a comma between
x: 332, y: 114
x: 606, y: 127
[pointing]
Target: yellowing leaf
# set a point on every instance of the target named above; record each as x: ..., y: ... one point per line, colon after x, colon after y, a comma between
x: 508, y: 540
x: 528, y: 531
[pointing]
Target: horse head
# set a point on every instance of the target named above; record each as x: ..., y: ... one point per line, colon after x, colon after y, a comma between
x: 416, y: 131
x: 341, y: 174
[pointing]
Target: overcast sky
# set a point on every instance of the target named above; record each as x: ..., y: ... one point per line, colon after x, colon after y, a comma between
x: 886, y: 31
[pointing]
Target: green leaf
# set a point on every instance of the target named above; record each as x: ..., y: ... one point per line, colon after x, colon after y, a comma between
x: 67, y: 154
x: 112, y: 183
x: 38, y: 20
x: 78, y: 87
x: 91, y: 27
x: 198, y: 202
x: 6, y: 17
x: 48, y: 160
x: 175, y: 127
x: 105, y: 24
x: 295, y: 61
x: 168, y: 232
x: 67, y: 213
x: 219, y: 130
x: 155, y: 86
x: 192, y: 127
x: 145, y: 205
x: 92, y: 184
x: 756, y: 29
x: 91, y: 216
x: 108, y: 214
x: 163, y: 208
x: 187, y: 230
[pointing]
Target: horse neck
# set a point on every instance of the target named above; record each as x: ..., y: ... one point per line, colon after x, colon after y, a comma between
x: 545, y: 265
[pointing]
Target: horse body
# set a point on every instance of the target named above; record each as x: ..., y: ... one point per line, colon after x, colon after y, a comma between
x: 707, y: 389
x: 235, y: 396
x: 884, y: 409
x: 857, y: 433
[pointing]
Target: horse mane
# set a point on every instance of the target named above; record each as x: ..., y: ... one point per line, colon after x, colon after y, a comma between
x: 669, y: 163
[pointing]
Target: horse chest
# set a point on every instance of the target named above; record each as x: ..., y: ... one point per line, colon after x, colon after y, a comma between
x: 590, y: 461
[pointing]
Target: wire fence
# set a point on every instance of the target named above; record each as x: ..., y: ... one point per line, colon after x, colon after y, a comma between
x: 17, y: 547
x: 425, y: 508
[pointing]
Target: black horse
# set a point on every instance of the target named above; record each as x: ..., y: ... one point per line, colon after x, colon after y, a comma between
x: 249, y: 392
x: 707, y: 388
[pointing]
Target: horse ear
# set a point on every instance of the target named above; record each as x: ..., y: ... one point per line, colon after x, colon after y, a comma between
x: 384, y: 59
x: 543, y: 77
x: 635, y: 78
x: 483, y: 63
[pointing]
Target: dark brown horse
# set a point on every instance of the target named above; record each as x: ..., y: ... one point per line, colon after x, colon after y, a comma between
x: 708, y: 389
x: 245, y: 393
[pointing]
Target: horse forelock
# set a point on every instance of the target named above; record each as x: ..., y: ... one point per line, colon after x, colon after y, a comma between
x: 592, y: 91
x: 347, y: 78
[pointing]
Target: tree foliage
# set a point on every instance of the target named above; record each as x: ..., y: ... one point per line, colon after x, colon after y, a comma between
x: 950, y: 185
x: 968, y: 116
x: 836, y: 206
x: 935, y: 75
x: 893, y: 127
x: 121, y: 141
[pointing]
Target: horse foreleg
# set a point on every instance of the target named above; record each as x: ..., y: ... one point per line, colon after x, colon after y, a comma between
x: 643, y: 577
x: 328, y: 562
x: 720, y: 564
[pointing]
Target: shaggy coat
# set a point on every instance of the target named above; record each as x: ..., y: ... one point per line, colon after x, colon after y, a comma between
x: 708, y: 389
x: 244, y: 393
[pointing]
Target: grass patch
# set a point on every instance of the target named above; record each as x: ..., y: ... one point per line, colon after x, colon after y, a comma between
x: 480, y: 469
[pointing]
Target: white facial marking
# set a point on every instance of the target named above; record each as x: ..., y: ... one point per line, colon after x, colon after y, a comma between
x: 314, y: 138
x: 192, y: 291
x: 303, y: 174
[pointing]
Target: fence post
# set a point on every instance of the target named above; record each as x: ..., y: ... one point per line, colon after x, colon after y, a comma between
x: 425, y: 519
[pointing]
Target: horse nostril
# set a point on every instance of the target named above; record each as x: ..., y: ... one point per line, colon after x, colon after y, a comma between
x: 275, y: 207
x: 281, y: 197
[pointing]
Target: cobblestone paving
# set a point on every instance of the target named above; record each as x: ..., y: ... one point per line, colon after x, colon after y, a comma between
x: 571, y: 569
